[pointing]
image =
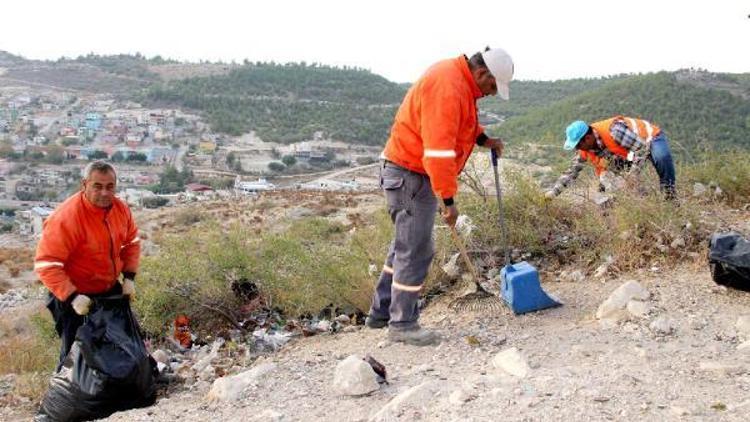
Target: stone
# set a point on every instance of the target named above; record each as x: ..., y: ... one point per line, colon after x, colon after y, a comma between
x: 343, y: 319
x: 232, y: 388
x: 661, y: 326
x: 512, y: 362
x: 616, y: 303
x: 354, y: 377
x: 161, y: 356
x: 744, y: 347
x: 677, y: 243
x: 418, y: 397
x: 743, y: 327
x: 638, y: 309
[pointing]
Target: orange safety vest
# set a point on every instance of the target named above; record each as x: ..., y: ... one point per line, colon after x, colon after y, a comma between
x: 645, y: 130
x: 436, y: 127
x: 84, y: 248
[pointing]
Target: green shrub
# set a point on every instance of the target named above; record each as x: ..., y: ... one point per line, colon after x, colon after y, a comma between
x: 301, y: 270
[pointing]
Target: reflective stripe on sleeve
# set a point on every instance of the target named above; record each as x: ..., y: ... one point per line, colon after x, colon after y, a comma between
x: 387, y: 269
x: 44, y: 264
x: 439, y: 153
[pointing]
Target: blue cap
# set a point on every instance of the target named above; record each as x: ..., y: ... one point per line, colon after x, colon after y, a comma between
x: 575, y: 132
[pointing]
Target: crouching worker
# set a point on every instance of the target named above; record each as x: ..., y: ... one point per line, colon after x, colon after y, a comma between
x: 87, y: 243
x: 615, y: 145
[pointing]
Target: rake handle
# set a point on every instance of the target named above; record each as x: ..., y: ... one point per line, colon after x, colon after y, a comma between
x: 499, y: 195
x: 461, y: 247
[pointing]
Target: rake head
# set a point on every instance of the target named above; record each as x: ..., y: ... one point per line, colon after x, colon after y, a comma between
x: 479, y: 300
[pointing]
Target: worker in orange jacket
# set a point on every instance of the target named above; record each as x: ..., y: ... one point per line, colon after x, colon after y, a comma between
x: 433, y: 135
x: 87, y: 243
x: 613, y: 145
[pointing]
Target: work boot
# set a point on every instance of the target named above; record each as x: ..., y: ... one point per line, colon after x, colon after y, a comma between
x: 374, y: 323
x: 416, y: 337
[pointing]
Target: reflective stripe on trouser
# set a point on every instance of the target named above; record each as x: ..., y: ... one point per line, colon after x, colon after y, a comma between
x: 412, y: 207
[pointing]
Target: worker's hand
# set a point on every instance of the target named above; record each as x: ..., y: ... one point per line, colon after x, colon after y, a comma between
x: 81, y: 304
x: 550, y: 195
x: 128, y: 288
x: 496, y: 144
x: 450, y: 214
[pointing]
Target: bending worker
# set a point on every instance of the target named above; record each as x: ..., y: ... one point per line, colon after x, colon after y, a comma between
x: 616, y: 144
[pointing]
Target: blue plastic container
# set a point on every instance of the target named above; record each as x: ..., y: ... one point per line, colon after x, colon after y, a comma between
x: 521, y: 289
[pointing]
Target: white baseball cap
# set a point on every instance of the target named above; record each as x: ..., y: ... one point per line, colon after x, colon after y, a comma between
x: 500, y: 64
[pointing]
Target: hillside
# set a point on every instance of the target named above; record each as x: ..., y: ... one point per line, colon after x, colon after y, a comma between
x: 698, y: 110
x: 288, y: 103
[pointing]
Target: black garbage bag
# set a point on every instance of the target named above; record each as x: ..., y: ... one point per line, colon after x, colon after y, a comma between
x: 107, y: 370
x: 729, y: 260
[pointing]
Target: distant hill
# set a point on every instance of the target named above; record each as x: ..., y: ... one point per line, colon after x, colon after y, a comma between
x: 700, y: 111
x: 290, y: 102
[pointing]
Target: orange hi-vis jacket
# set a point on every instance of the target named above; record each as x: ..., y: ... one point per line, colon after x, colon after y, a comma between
x: 84, y: 248
x: 645, y: 130
x: 436, y: 126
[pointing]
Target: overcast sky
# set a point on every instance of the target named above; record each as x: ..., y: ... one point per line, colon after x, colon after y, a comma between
x: 397, y: 39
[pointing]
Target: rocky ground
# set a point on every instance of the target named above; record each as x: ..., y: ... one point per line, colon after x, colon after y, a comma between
x: 678, y: 356
x: 658, y: 344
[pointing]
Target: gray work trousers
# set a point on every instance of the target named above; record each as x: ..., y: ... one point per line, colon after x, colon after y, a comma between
x: 412, y: 207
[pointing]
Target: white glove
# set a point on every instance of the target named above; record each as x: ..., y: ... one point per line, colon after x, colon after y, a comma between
x: 81, y: 304
x: 128, y: 288
x: 550, y: 194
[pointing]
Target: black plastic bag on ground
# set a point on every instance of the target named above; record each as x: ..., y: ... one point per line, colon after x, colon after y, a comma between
x: 107, y: 370
x: 729, y: 260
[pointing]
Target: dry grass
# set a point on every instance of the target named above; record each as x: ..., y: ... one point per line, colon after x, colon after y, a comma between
x: 17, y: 260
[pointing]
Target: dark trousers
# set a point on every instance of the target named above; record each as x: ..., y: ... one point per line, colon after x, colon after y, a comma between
x: 67, y: 321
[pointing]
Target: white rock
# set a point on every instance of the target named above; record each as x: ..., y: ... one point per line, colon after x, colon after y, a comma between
x: 678, y: 243
x: 231, y: 388
x: 354, y: 377
x: 615, y: 304
x: 343, y: 319
x: 744, y: 347
x: 160, y: 356
x: 638, y: 309
x: 661, y: 326
x: 743, y: 327
x: 511, y: 361
x: 418, y: 397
